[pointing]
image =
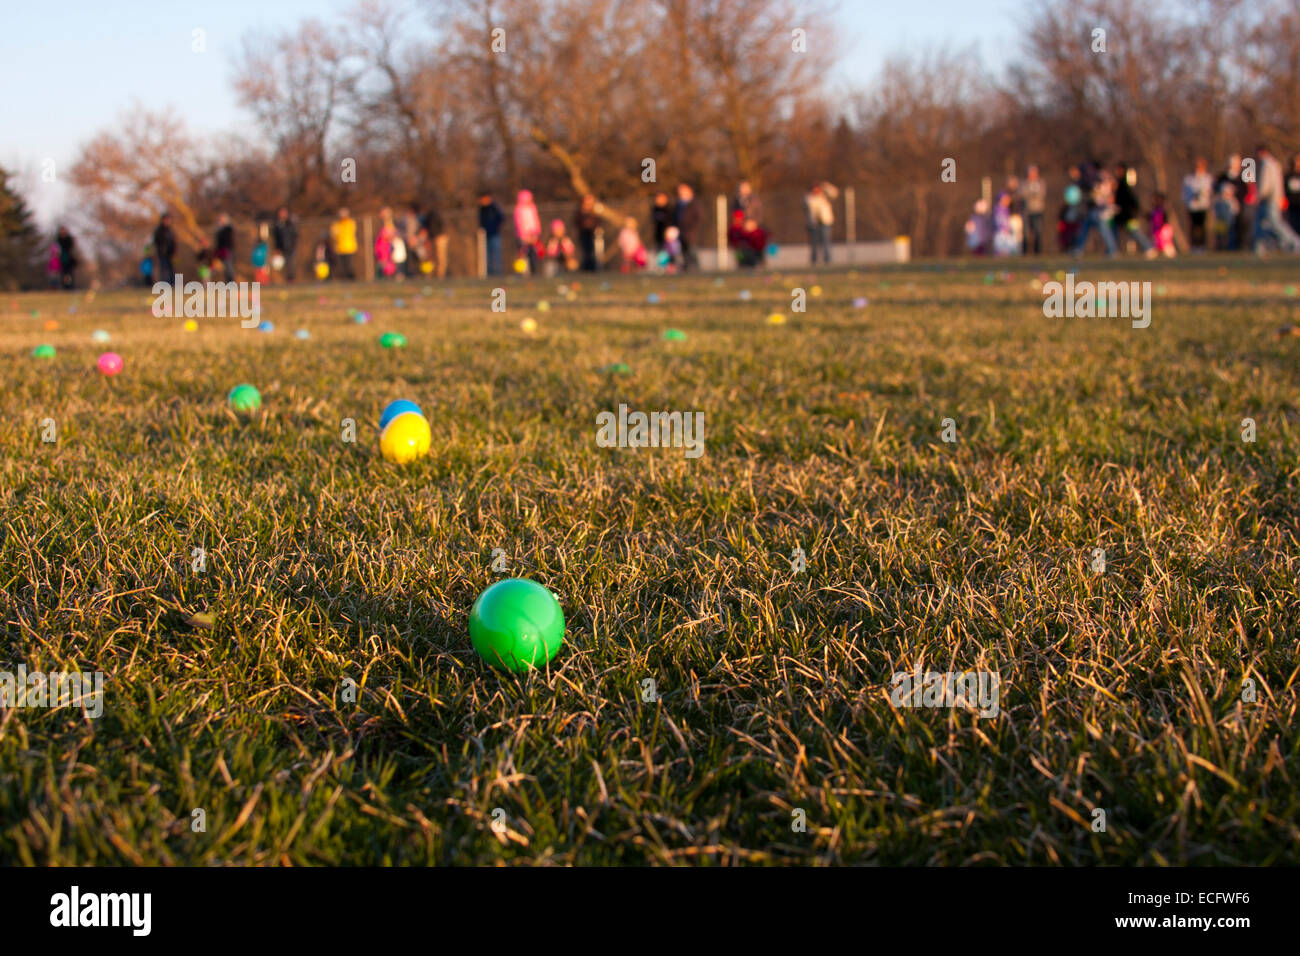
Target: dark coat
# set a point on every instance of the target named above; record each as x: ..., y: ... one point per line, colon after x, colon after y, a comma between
x: 164, y: 241
x: 662, y: 217
x: 284, y: 233
x: 688, y: 219
x: 1126, y: 202
x: 490, y: 218
x: 431, y: 221
x: 67, y: 251
x: 225, y: 242
x: 586, y: 220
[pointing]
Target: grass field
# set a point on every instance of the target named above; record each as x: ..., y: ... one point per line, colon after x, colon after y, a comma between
x: 1120, y: 690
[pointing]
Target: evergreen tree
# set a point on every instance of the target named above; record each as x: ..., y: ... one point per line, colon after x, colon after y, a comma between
x: 20, y: 242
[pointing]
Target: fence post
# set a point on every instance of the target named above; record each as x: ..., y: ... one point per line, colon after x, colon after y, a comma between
x: 724, y: 264
x: 600, y: 246
x: 480, y: 253
x: 850, y: 220
x: 368, y: 233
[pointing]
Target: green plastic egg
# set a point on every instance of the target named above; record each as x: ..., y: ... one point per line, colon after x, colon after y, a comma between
x: 245, y: 398
x: 516, y: 624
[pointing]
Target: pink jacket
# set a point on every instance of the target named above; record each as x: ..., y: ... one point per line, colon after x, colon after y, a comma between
x: 528, y: 224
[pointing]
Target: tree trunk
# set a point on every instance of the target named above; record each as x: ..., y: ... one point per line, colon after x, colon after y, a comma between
x: 576, y: 178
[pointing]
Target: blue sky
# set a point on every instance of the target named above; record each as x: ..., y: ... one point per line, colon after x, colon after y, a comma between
x: 68, y: 67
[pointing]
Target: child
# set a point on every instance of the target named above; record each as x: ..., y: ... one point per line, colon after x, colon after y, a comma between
x: 736, y: 237
x: 978, y: 229
x: 54, y: 265
x: 384, y: 259
x: 528, y: 228
x: 750, y: 242
x: 1008, y: 238
x: 399, y: 255
x: 1162, y: 230
x: 1071, y: 215
x: 561, y: 253
x: 1226, y: 208
x: 321, y: 257
x: 631, y: 247
x: 672, y: 248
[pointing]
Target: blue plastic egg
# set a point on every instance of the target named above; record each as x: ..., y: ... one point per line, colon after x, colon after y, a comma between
x: 396, y: 408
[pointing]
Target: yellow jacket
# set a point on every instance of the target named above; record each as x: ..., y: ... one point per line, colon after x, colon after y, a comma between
x: 343, y: 233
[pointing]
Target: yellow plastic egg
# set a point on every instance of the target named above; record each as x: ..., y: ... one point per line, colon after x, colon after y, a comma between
x: 406, y: 438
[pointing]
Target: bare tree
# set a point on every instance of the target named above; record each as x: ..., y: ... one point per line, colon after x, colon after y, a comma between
x: 412, y: 102
x: 1159, y: 88
x: 125, y: 179
x: 745, y: 65
x: 296, y: 85
x: 1267, y: 54
x: 922, y: 112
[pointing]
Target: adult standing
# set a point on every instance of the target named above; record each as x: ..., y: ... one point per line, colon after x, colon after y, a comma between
x: 1198, y: 193
x: 821, y: 217
x: 1073, y: 210
x: 662, y: 215
x: 687, y: 219
x: 1232, y: 176
x: 490, y: 218
x: 164, y: 247
x: 343, y: 241
x: 1293, y: 195
x: 1015, y: 202
x: 437, y: 232
x: 1034, y: 193
x: 1101, y: 209
x: 747, y: 202
x: 585, y: 222
x: 413, y: 237
x: 225, y: 246
x: 1268, y: 213
x: 67, y: 258
x: 1128, y: 210
x: 284, y: 236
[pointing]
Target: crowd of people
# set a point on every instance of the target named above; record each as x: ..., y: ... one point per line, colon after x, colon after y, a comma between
x: 1250, y: 205
x: 674, y: 222
x: 415, y: 241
